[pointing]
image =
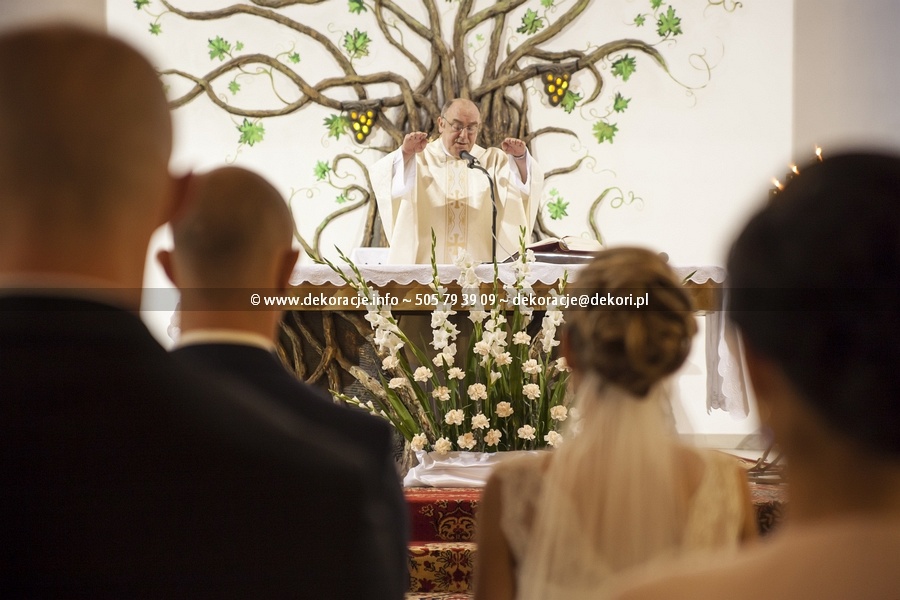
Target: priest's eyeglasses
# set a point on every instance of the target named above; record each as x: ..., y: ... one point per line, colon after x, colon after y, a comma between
x: 457, y: 127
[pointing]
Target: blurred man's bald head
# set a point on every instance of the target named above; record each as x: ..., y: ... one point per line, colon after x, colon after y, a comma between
x: 233, y: 231
x: 84, y: 126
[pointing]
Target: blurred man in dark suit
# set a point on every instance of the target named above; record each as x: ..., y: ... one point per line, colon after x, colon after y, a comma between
x: 232, y: 238
x: 123, y: 473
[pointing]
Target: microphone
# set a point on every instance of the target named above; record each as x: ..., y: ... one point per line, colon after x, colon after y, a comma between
x: 463, y: 154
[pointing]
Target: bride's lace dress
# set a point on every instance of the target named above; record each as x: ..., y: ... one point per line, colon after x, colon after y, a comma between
x: 615, y: 496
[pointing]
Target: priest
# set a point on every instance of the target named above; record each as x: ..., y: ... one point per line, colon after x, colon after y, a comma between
x: 424, y: 186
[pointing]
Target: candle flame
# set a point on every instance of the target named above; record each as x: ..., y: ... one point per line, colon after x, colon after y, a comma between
x: 795, y: 169
x: 819, y: 153
x: 777, y: 184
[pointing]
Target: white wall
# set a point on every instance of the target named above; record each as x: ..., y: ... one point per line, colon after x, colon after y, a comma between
x: 15, y: 13
x: 847, y: 81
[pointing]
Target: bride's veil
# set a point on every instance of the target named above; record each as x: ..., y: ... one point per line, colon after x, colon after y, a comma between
x: 609, y: 499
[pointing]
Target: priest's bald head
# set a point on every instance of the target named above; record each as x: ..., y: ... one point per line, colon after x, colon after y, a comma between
x: 85, y: 140
x: 458, y: 125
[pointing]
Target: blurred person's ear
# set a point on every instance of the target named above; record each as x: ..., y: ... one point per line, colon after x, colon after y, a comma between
x: 165, y: 260
x: 286, y: 269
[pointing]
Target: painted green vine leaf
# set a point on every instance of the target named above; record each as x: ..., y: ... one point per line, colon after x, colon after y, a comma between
x: 640, y: 20
x: 357, y: 6
x: 655, y: 4
x: 139, y: 4
x: 321, y: 170
x: 234, y: 87
x: 238, y: 46
x: 605, y: 131
x: 294, y: 57
x: 155, y: 29
x: 341, y: 199
x: 548, y: 3
x: 557, y: 206
x: 624, y: 67
x: 337, y: 125
x: 620, y: 103
x: 531, y: 23
x: 669, y: 24
x: 251, y: 132
x: 219, y: 48
x: 356, y: 44
x: 569, y: 100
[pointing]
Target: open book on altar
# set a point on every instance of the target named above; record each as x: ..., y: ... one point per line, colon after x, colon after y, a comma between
x: 565, y: 250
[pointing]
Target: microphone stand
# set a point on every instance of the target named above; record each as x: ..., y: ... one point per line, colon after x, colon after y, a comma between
x: 474, y: 164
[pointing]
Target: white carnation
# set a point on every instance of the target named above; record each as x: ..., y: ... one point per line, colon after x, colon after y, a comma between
x: 441, y: 393
x: 390, y: 362
x: 418, y: 442
x: 397, y: 382
x: 443, y: 446
x: 466, y: 441
x: 531, y: 366
x: 526, y: 432
x: 559, y: 413
x: 492, y: 437
x: 477, y: 391
x: 504, y: 358
x: 454, y: 417
x: 422, y: 374
x: 456, y: 373
x: 480, y: 421
x: 553, y: 438
x: 504, y: 409
x: 521, y: 337
x: 532, y: 390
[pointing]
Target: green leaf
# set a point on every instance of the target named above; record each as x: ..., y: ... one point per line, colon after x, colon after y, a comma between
x: 640, y: 20
x: 531, y: 23
x: 155, y: 28
x: 554, y: 192
x: 605, y: 132
x: 557, y: 208
x: 547, y: 3
x: 238, y: 46
x: 321, y: 170
x: 251, y: 132
x: 356, y: 44
x: 479, y: 37
x: 139, y: 4
x: 294, y: 57
x: 620, y: 103
x: 337, y: 125
x: 357, y: 6
x: 654, y: 4
x: 218, y: 48
x: 569, y: 100
x: 234, y: 87
x: 341, y: 199
x: 669, y: 24
x: 624, y: 67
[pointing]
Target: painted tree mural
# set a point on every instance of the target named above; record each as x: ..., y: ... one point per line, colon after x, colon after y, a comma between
x: 509, y: 57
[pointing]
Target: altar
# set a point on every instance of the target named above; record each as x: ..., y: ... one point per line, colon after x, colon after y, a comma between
x: 327, y: 342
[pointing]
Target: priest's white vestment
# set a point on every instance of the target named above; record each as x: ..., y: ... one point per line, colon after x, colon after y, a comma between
x: 435, y: 190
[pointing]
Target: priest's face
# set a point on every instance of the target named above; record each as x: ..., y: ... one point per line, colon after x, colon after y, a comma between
x: 459, y: 126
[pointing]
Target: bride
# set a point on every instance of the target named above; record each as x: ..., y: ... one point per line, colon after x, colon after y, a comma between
x: 621, y: 491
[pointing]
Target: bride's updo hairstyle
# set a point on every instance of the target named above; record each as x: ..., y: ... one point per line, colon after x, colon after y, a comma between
x: 631, y: 347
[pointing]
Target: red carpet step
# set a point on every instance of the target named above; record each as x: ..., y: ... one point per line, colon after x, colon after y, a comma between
x: 448, y: 514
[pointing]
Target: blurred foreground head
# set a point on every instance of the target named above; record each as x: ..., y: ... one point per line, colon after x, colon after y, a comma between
x: 633, y: 348
x: 814, y: 282
x: 85, y: 140
x: 234, y: 231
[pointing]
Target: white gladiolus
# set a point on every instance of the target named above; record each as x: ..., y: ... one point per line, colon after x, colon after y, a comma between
x: 494, y: 375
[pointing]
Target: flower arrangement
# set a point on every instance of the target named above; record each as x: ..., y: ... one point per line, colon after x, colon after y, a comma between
x: 506, y: 392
